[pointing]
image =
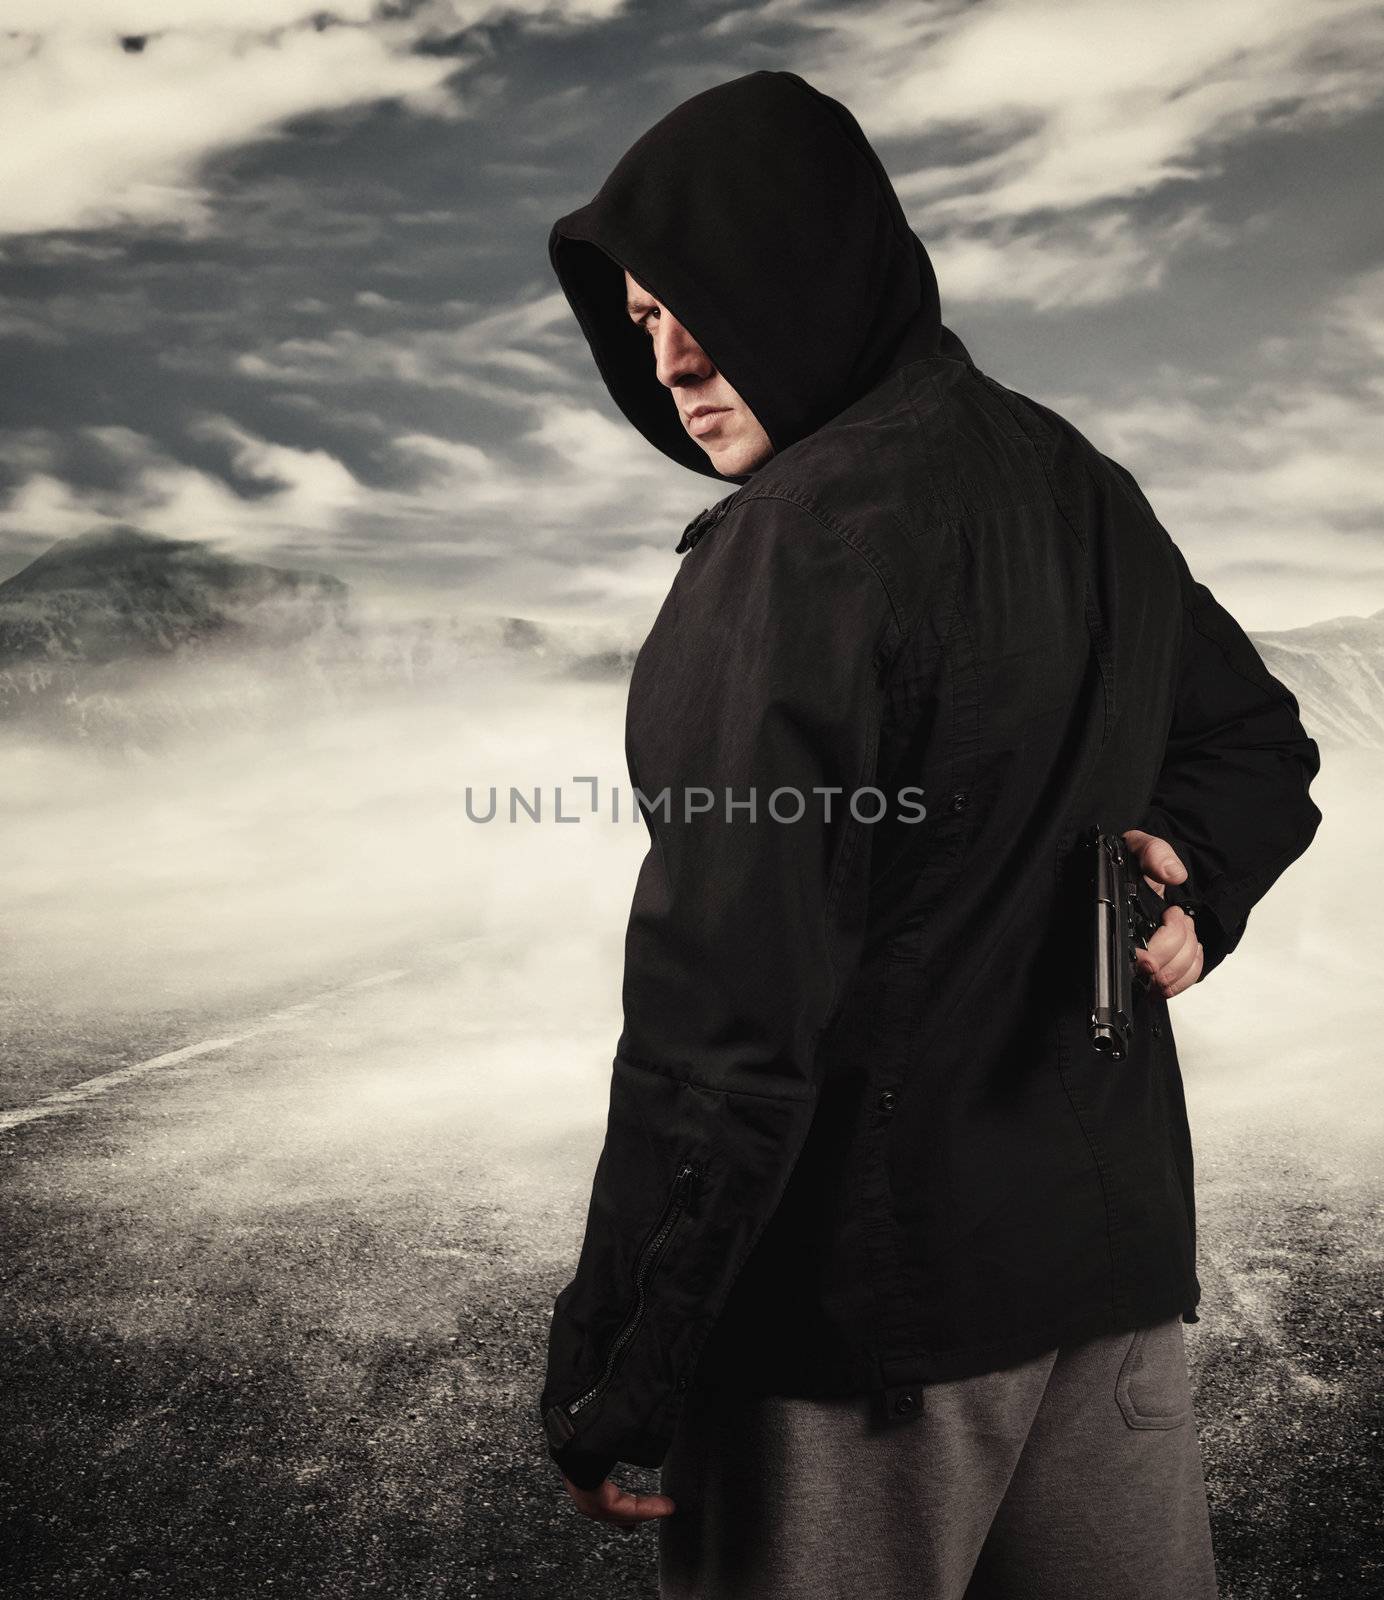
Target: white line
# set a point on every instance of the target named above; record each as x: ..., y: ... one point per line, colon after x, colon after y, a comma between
x: 331, y: 994
x: 380, y: 977
x: 62, y: 1099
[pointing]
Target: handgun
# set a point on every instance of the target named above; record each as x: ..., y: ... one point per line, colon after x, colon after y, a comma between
x: 1121, y: 926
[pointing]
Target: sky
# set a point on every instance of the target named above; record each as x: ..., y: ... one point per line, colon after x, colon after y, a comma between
x: 276, y: 278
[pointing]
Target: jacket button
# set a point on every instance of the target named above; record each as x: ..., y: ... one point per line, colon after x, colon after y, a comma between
x: 904, y: 1403
x: 682, y: 1385
x: 887, y: 1101
x: 1158, y: 1030
x: 959, y: 799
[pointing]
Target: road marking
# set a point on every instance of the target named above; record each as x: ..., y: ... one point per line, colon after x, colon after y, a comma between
x: 62, y: 1099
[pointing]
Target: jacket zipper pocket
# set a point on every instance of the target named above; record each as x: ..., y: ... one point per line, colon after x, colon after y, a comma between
x: 648, y: 1260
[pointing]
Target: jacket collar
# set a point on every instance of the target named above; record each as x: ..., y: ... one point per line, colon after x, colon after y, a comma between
x: 705, y: 519
x: 948, y: 345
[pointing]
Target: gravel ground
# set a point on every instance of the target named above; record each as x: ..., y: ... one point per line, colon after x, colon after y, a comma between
x: 1287, y: 1365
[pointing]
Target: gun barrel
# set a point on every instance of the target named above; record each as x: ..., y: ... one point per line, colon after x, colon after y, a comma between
x: 1112, y: 1010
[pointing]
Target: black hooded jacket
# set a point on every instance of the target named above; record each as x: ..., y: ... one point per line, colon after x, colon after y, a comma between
x: 858, y: 1137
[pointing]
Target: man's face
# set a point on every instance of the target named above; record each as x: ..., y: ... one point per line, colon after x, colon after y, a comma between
x: 727, y: 429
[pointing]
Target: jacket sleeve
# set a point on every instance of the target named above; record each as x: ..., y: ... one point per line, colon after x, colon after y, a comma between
x: 1232, y: 794
x: 760, y: 682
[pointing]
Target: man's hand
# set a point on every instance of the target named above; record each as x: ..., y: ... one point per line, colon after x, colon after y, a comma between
x: 611, y: 1503
x: 1174, y: 956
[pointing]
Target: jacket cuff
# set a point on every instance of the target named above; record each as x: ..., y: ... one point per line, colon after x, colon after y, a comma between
x: 1215, y: 945
x: 586, y: 1469
x: 1216, y: 942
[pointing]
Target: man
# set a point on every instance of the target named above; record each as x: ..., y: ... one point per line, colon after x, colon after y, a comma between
x: 885, y: 1263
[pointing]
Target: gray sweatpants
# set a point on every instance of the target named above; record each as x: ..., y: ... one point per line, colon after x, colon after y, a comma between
x: 1074, y: 1476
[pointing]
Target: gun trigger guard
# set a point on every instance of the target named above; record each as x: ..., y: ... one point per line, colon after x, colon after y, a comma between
x: 1145, y: 924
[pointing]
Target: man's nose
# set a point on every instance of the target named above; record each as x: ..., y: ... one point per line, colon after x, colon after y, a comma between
x: 677, y: 355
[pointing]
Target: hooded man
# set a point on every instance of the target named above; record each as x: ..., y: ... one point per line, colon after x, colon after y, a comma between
x: 886, y: 1264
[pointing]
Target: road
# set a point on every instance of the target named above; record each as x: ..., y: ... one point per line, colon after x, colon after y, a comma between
x: 278, y: 1288
x: 278, y: 1307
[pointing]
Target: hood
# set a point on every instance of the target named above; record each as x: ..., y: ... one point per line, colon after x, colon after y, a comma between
x: 758, y: 213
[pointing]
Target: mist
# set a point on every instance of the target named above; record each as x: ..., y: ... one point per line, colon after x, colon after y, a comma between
x: 210, y: 877
x: 342, y: 1054
x: 237, y: 867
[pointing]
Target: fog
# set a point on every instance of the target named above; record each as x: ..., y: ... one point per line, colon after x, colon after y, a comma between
x: 1288, y: 1026
x: 281, y: 1299
x: 153, y: 896
x: 238, y: 864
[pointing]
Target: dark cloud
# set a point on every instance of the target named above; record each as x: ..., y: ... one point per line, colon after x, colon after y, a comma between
x: 322, y: 303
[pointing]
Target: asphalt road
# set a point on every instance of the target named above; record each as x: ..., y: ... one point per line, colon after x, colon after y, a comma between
x: 276, y: 1306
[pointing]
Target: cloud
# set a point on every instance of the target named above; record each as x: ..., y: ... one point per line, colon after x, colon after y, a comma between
x: 117, y: 19
x: 95, y: 134
x: 1273, y: 489
x: 91, y: 136
x: 1108, y: 101
x: 445, y: 358
x: 1061, y: 118
x: 18, y: 322
x: 573, y: 469
x: 305, y: 494
x: 555, y: 516
x: 1074, y: 261
x: 409, y: 403
x: 1271, y: 484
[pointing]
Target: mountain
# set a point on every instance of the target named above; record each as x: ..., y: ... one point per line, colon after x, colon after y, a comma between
x: 119, y: 593
x: 89, y: 624
x: 124, y: 637
x: 128, y: 639
x: 1336, y: 670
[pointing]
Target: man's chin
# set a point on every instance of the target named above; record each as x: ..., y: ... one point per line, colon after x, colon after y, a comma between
x: 736, y: 462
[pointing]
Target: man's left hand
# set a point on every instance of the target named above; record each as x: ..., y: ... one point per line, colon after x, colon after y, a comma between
x: 1174, y: 957
x: 610, y: 1503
